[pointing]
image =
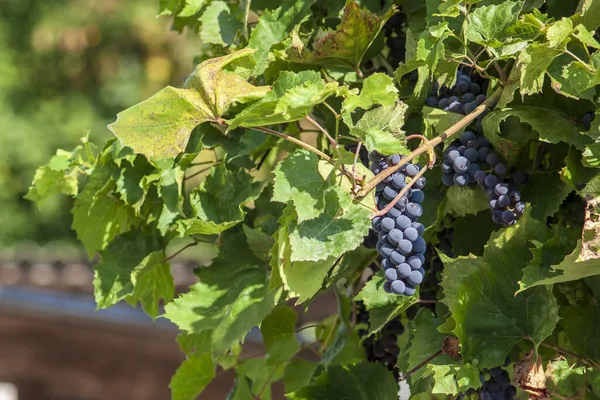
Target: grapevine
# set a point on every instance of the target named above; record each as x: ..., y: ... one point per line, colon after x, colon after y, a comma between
x: 422, y: 180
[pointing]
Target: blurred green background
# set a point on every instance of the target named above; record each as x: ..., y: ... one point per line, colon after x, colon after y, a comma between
x: 68, y: 67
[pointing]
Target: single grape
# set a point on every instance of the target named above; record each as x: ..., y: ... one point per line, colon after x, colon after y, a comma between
x: 411, y: 234
x: 497, y: 217
x: 494, y: 204
x: 405, y: 246
x: 380, y: 186
x: 504, y: 201
x: 454, y: 99
x: 414, y: 262
x: 492, y: 159
x: 386, y: 263
x: 382, y: 236
x: 388, y: 179
x: 443, y: 103
x: 461, y: 179
x: 403, y: 270
x: 461, y: 164
x: 414, y: 210
x: 464, y: 77
x: 387, y: 287
x: 501, y: 189
x: 409, y: 290
x: 389, y: 193
x: 479, y: 176
x: 412, y: 169
x: 466, y: 137
x: 387, y: 224
x: 467, y: 98
x: 394, y: 213
x: 394, y: 159
x: 419, y: 245
x: 391, y: 274
x: 462, y: 87
x: 417, y: 196
x: 420, y: 228
x: 483, y: 152
x: 395, y: 236
x: 480, y: 99
x: 403, y: 222
x: 470, y: 107
x: 375, y: 168
x: 399, y: 181
x: 446, y: 168
x: 431, y: 101
x: 475, y: 88
x: 462, y: 149
x: 508, y: 217
x: 452, y: 155
x: 515, y: 197
x: 472, y: 155
x: 455, y: 107
x: 491, y: 181
x: 376, y: 224
x: 415, y: 278
x: 519, y: 208
x: 398, y: 287
x: 378, y: 247
x: 448, y: 179
x: 386, y: 250
x: 419, y: 183
x: 500, y: 169
x: 397, y: 258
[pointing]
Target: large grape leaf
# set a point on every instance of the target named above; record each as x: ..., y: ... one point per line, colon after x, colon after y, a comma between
x: 380, y: 129
x: 383, y: 307
x: 160, y: 126
x: 479, y: 291
x: 275, y: 25
x: 533, y: 63
x: 297, y: 374
x: 152, y: 281
x: 364, y: 381
x: 278, y: 330
x: 190, y: 379
x: 231, y: 297
x: 450, y: 376
x: 376, y: 89
x: 340, y: 228
x: 133, y: 257
x: 219, y: 24
x: 292, y: 98
x: 98, y: 216
x: 461, y: 201
x: 347, y: 44
x: 582, y: 329
x: 545, y: 192
x: 217, y: 203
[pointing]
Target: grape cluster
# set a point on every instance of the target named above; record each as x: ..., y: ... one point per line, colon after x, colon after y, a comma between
x: 395, y: 38
x: 462, y: 98
x: 400, y: 235
x: 496, y: 385
x: 381, y: 347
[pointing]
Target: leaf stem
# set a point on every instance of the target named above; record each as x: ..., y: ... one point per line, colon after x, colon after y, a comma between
x: 294, y: 140
x: 178, y: 252
x: 198, y: 173
x: 586, y: 65
x: 499, y: 69
x: 421, y: 365
x: 463, y: 123
x: 331, y: 140
x: 358, y: 147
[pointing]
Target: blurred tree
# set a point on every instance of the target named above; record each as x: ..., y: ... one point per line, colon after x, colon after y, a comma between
x: 66, y: 67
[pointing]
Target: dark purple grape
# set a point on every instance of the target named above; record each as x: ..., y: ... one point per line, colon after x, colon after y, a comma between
x: 497, y: 217
x: 504, y: 201
x: 475, y: 88
x: 494, y: 204
x: 405, y: 246
x: 394, y: 213
x: 462, y: 87
x: 414, y: 210
x: 394, y: 159
x: 398, y: 287
x: 399, y: 181
x: 420, y: 228
x: 491, y: 181
x: 382, y: 236
x: 493, y: 159
x: 508, y: 217
x: 461, y: 164
x: 470, y: 107
x: 587, y: 120
x: 431, y: 101
x: 452, y: 155
x: 417, y: 196
x: 461, y: 179
x: 389, y: 193
x: 473, y: 168
x: 447, y: 167
x: 466, y: 137
x: 387, y: 287
x: 376, y: 224
x: 453, y: 99
x: 467, y: 98
x: 443, y: 103
x: 500, y: 169
x: 519, y: 177
x: 419, y: 183
x: 472, y: 155
x: 403, y: 270
x: 395, y: 236
x: 386, y: 250
x: 448, y: 179
x: 379, y: 188
x: 462, y: 149
x: 479, y: 176
x: 483, y: 152
x: 386, y: 263
x: 374, y: 156
x: 403, y: 222
x: 515, y: 197
x: 409, y: 290
x: 419, y: 245
x: 387, y: 224
x: 501, y: 189
x: 411, y: 234
x: 414, y: 262
x: 480, y: 99
x: 463, y: 77
x: 455, y: 107
x: 412, y: 169
x: 519, y: 208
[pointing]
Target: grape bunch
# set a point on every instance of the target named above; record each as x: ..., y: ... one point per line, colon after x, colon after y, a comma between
x: 462, y: 98
x: 467, y: 159
x: 395, y: 34
x: 400, y: 235
x: 381, y: 347
x: 496, y: 385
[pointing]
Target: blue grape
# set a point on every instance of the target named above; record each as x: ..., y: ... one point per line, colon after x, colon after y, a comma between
x: 494, y: 204
x: 462, y: 87
x: 447, y: 167
x: 475, y: 88
x: 461, y: 179
x: 500, y: 169
x: 386, y: 250
x: 394, y: 213
x: 483, y: 152
x: 419, y: 245
x: 398, y: 287
x: 508, y: 217
x: 412, y: 169
x: 411, y: 234
x: 389, y: 193
x: 382, y: 236
x: 465, y: 78
x: 386, y: 263
x: 403, y: 222
x: 452, y: 155
x: 387, y: 224
x: 376, y: 224
x: 399, y: 181
x: 470, y: 107
x: 504, y: 201
x: 500, y: 189
x: 421, y: 257
x: 380, y: 186
x: 461, y: 164
x: 391, y: 274
x: 473, y: 168
x: 443, y: 103
x: 378, y: 247
x: 394, y: 159
x: 467, y: 98
x: 387, y: 287
x: 414, y: 210
x: 419, y: 183
x: 454, y: 99
x: 520, y: 208
x: 497, y: 217
x: 415, y: 278
x: 395, y: 236
x: 417, y: 196
x: 420, y: 228
x: 462, y: 149
x: 492, y: 159
x: 409, y: 290
x: 375, y: 168
x: 397, y: 258
x: 491, y: 181
x: 403, y: 270
x: 472, y: 155
x: 480, y: 99
x: 515, y: 197
x: 431, y: 101
x: 479, y: 176
x: 466, y: 137
x: 405, y: 246
x: 448, y: 179
x: 414, y: 262
x: 455, y: 107
x: 388, y: 179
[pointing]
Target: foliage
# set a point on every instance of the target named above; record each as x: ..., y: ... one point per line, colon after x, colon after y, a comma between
x: 281, y: 97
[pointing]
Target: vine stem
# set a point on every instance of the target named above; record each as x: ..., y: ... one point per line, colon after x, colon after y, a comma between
x: 198, y: 172
x: 294, y: 140
x: 463, y: 123
x: 586, y: 65
x: 572, y: 355
x: 178, y: 252
x: 324, y: 132
x: 421, y: 365
x: 499, y: 69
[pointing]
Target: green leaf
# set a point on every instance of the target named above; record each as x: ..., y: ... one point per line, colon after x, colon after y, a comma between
x: 97, y: 216
x: 571, y: 78
x: 545, y: 192
x: 479, y: 292
x: 431, y: 48
x: 134, y: 181
x: 299, y: 180
x: 340, y: 228
x: 192, y: 377
x: 582, y: 329
x: 381, y: 129
x: 131, y: 257
x: 199, y: 343
x: 533, y: 63
x: 292, y: 98
x: 565, y: 379
x: 558, y: 33
x: 347, y: 44
x: 279, y: 334
x: 586, y: 37
x: 364, y: 381
x: 259, y: 242
x: 219, y: 25
x: 192, y: 7
x: 383, y: 307
x: 590, y: 13
x: 275, y: 25
x: 353, y: 262
x: 152, y: 282
x: 170, y: 187
x: 461, y: 201
x: 376, y: 89
x: 231, y: 297
x: 160, y: 126
x: 217, y: 203
x: 48, y: 182
x: 437, y: 121
x: 297, y: 374
x: 260, y: 374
